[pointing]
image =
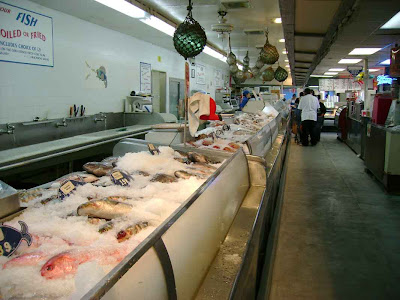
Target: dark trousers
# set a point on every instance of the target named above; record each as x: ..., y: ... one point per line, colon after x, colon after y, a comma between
x: 308, y: 129
x: 318, y: 127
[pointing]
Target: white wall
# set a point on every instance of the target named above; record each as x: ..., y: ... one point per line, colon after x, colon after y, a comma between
x: 28, y: 91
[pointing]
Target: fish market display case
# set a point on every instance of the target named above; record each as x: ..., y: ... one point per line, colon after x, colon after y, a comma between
x: 214, y: 244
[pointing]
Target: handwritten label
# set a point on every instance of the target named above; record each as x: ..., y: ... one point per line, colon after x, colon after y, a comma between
x: 11, y: 238
x: 120, y: 178
x: 67, y: 187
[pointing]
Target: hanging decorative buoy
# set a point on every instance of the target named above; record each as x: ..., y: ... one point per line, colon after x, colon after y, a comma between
x: 231, y: 59
x: 281, y: 74
x: 268, y: 74
x: 269, y: 54
x: 259, y: 63
x: 189, y: 38
x: 255, y: 71
x: 246, y: 60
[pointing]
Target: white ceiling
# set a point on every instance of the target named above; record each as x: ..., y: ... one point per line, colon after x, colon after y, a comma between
x: 258, y: 16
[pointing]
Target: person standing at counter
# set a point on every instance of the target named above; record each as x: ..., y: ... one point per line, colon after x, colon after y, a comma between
x: 245, y: 99
x: 309, y: 106
x: 320, y: 118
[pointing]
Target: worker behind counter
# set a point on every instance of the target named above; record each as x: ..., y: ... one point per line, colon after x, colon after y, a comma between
x: 245, y: 99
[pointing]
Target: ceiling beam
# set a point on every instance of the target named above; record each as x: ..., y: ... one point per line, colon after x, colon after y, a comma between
x: 287, y: 9
x: 301, y: 68
x: 309, y: 34
x: 342, y: 16
x: 304, y: 52
x: 303, y: 62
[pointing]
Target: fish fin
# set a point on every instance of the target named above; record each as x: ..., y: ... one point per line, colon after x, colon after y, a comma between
x: 24, y: 232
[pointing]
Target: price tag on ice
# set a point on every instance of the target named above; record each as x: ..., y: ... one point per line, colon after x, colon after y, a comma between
x: 11, y: 238
x: 120, y: 178
x: 153, y: 149
x: 67, y: 187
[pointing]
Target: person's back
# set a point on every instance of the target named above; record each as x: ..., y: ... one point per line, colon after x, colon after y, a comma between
x: 308, y: 106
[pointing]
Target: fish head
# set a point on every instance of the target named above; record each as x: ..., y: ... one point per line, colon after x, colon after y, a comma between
x: 59, y: 266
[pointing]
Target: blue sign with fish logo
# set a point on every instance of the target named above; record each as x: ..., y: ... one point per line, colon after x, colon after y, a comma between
x: 11, y: 238
x: 120, y: 178
x: 67, y: 187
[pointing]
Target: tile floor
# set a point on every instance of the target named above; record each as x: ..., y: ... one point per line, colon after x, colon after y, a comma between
x: 339, y: 236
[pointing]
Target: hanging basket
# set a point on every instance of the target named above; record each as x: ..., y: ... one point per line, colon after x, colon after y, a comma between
x: 268, y: 74
x: 189, y: 38
x: 269, y: 54
x: 281, y: 74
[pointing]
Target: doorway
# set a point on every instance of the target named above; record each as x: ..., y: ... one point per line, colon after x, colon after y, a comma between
x: 159, y: 91
x: 176, y: 97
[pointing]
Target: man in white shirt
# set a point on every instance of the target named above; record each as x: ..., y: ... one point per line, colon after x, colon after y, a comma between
x: 308, y: 106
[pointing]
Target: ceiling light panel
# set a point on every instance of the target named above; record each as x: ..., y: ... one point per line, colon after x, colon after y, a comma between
x: 364, y: 51
x: 385, y: 62
x: 331, y: 73
x: 393, y: 23
x: 349, y: 61
x: 373, y: 70
x: 336, y: 70
x: 281, y: 40
x: 322, y: 76
x: 277, y: 20
x: 124, y: 7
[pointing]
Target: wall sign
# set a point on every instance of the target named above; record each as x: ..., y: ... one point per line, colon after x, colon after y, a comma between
x: 200, y: 74
x: 145, y: 78
x: 11, y: 238
x: 384, y: 79
x: 26, y: 37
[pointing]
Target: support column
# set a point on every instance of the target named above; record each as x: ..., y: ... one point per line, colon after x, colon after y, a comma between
x: 366, y: 79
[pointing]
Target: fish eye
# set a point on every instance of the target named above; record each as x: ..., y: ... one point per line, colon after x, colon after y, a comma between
x: 50, y: 268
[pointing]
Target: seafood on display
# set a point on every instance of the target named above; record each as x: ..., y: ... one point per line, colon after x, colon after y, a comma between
x: 98, y: 224
x: 230, y: 138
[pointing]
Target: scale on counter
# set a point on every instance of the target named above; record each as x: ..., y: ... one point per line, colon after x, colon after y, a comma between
x: 138, y: 104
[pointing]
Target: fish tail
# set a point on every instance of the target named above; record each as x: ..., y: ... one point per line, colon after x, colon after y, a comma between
x: 24, y: 232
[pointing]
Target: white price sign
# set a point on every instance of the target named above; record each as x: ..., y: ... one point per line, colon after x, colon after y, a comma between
x: 25, y: 36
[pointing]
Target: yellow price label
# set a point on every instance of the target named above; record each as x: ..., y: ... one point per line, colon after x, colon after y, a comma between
x: 117, y: 175
x: 67, y: 187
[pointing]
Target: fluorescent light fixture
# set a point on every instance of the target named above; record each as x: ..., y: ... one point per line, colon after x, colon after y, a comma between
x: 240, y: 67
x: 385, y: 62
x: 124, y: 7
x: 281, y: 40
x: 393, y: 23
x: 313, y: 86
x: 213, y: 53
x: 159, y: 25
x: 286, y: 60
x: 287, y: 66
x: 364, y: 51
x: 373, y: 70
x: 349, y: 61
x: 284, y: 52
x: 336, y: 70
x: 322, y: 76
x: 331, y: 73
x: 277, y: 20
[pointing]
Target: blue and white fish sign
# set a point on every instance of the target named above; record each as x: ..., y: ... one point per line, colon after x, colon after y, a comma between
x: 120, y: 178
x: 11, y: 238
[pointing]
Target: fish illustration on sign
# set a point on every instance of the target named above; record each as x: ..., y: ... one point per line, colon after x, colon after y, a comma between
x: 100, y: 73
x: 11, y: 238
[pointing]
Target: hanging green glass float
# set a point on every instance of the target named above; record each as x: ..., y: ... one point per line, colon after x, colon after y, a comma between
x: 269, y: 54
x: 239, y: 75
x: 246, y: 60
x: 233, y: 69
x: 259, y: 63
x: 281, y: 74
x: 268, y: 74
x: 231, y: 59
x: 255, y: 71
x: 189, y: 38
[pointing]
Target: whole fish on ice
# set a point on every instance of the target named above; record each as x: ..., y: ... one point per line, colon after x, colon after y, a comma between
x: 104, y: 209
